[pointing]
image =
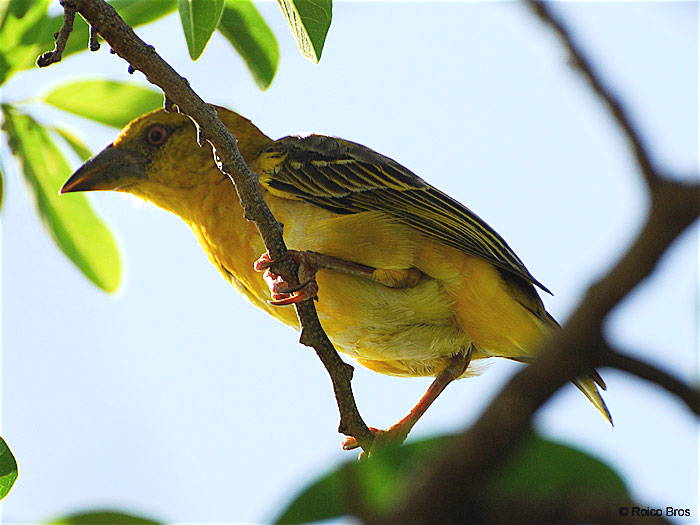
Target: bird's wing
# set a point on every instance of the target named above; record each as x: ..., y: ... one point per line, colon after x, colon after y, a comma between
x: 345, y: 177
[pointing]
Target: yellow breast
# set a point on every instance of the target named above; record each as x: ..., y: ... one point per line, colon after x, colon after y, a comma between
x: 400, y: 331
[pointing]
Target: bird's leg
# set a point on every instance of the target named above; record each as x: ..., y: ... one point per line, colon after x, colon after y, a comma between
x: 311, y: 262
x: 397, y: 433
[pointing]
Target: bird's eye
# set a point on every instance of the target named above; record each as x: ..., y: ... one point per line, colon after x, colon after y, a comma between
x: 156, y: 135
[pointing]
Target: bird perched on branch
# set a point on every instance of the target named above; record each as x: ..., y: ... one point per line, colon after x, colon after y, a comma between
x: 408, y: 281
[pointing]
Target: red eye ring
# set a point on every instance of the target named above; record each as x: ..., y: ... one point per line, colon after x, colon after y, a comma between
x: 156, y: 135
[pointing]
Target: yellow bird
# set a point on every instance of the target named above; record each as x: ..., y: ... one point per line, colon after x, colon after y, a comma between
x: 408, y: 281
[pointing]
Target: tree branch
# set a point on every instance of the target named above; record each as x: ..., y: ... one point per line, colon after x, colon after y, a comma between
x: 468, y: 464
x: 142, y: 57
x: 466, y: 467
x: 482, y: 449
x: 617, y: 110
x: 686, y: 393
x: 51, y: 57
x: 569, y: 509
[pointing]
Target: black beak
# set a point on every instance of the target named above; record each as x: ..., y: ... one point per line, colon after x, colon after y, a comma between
x: 111, y: 169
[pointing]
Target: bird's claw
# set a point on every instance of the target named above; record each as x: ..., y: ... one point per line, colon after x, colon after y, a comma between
x: 282, y: 293
x: 394, y: 436
x: 308, y: 290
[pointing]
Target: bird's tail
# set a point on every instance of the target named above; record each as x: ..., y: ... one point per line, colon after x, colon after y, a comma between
x: 589, y: 386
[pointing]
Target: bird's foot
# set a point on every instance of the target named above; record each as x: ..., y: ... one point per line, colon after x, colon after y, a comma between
x: 393, y: 436
x: 282, y: 293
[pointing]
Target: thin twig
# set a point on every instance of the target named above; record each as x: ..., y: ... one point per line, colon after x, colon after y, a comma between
x: 142, y: 57
x: 686, y: 393
x: 590, y: 73
x: 53, y: 56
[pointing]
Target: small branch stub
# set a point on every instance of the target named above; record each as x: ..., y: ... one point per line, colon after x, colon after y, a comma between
x: 53, y: 56
x: 94, y: 43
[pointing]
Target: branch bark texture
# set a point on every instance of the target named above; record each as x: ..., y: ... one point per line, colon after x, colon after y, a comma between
x: 142, y: 57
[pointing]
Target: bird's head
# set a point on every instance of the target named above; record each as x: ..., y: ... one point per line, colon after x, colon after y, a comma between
x: 156, y: 157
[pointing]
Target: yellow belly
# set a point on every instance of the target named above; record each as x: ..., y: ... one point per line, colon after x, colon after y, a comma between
x: 460, y: 300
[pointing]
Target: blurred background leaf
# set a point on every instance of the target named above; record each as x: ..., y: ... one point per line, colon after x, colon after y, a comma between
x: 77, y: 145
x: 542, y: 469
x: 245, y: 28
x: 103, y: 517
x: 199, y: 20
x: 25, y: 32
x: 105, y: 101
x: 70, y: 219
x: 8, y: 469
x: 309, y: 21
x: 17, y: 7
x: 547, y: 470
x: 134, y: 12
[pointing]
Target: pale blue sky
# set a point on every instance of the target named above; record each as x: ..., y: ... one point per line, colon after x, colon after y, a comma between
x: 177, y: 399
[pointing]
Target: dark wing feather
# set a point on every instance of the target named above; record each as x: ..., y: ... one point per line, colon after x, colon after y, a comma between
x: 345, y: 177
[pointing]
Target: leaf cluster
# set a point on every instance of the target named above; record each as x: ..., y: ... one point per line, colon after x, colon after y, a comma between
x: 27, y: 29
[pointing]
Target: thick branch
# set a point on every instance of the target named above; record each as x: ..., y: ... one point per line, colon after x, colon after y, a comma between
x: 462, y: 471
x: 614, y: 105
x: 674, y: 207
x: 142, y: 57
x: 686, y: 393
x: 478, y: 452
x: 466, y: 466
x: 572, y: 508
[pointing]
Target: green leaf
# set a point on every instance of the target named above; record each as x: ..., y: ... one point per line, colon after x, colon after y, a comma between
x: 25, y: 33
x: 106, y: 101
x: 138, y: 12
x: 25, y: 37
x: 8, y: 469
x: 541, y: 469
x: 309, y: 21
x: 77, y: 145
x: 545, y: 469
x: 75, y: 227
x: 199, y: 20
x: 243, y: 25
x: 103, y: 517
x: 377, y: 483
x: 18, y: 8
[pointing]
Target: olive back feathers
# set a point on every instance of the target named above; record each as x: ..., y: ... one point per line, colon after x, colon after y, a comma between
x: 345, y: 177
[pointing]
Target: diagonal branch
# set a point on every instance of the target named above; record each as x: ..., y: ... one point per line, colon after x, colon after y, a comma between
x: 465, y: 467
x: 617, y: 110
x: 142, y: 57
x: 482, y: 449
